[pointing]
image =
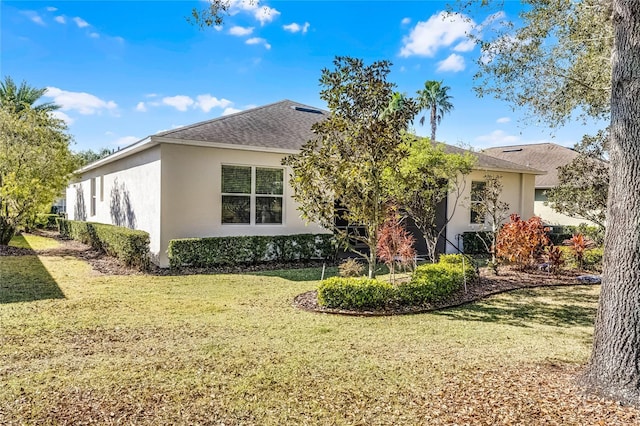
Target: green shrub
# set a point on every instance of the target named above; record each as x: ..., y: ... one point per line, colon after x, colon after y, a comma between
x: 472, y: 242
x: 46, y: 221
x: 470, y: 270
x: 230, y: 251
x: 431, y: 283
x: 354, y: 293
x: 591, y: 261
x: 128, y: 245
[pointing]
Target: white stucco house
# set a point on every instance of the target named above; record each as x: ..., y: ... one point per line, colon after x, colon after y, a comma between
x: 547, y: 157
x: 224, y: 177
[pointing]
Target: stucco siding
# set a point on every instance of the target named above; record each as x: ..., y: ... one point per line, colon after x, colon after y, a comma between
x: 551, y: 217
x: 191, y: 201
x: 518, y: 192
x: 126, y: 193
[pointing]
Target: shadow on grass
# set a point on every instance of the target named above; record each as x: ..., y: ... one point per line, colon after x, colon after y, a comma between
x: 567, y: 307
x: 25, y: 279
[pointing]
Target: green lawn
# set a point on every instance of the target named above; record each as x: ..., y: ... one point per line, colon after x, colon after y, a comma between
x: 213, y: 349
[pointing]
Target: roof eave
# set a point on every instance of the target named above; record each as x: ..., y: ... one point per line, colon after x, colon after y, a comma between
x: 141, y: 145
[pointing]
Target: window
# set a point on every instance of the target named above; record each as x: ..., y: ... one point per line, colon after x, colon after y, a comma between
x: 252, y: 195
x: 541, y: 195
x: 101, y: 188
x: 477, y: 190
x: 93, y: 197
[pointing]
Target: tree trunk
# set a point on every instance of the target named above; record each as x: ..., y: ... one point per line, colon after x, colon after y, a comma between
x: 614, y: 367
x: 433, y: 122
x: 7, y: 231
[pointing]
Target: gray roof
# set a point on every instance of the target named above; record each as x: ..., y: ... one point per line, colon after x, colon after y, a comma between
x: 487, y: 162
x: 281, y: 125
x: 542, y: 156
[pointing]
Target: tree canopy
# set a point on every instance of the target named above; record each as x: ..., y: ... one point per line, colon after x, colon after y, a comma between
x: 35, y: 165
x: 23, y: 97
x: 435, y: 98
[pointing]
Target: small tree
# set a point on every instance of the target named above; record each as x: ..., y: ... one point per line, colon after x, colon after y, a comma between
x: 485, y: 202
x: 395, y: 244
x: 35, y: 165
x: 339, y: 174
x: 579, y: 244
x: 519, y: 241
x: 422, y: 180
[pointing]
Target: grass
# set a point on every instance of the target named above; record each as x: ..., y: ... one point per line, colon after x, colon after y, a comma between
x: 212, y: 349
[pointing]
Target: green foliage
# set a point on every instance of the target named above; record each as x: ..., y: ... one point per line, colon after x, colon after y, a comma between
x: 35, y: 165
x: 583, y: 184
x: 461, y: 261
x: 354, y: 293
x: 338, y: 174
x: 230, y: 251
x: 474, y: 242
x: 19, y: 98
x: 128, y: 245
x: 424, y: 178
x: 89, y: 156
x: 436, y: 99
x: 47, y: 221
x: 351, y: 268
x: 431, y: 283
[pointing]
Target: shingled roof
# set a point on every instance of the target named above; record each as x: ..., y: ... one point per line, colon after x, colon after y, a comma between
x: 281, y: 125
x: 542, y: 156
x: 490, y: 163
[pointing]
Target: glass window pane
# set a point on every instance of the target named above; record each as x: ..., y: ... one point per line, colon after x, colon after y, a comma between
x: 269, y: 181
x: 268, y: 209
x: 236, y: 209
x: 477, y: 188
x: 236, y: 180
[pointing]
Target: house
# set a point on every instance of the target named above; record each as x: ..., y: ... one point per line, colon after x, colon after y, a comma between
x: 547, y: 157
x: 224, y: 177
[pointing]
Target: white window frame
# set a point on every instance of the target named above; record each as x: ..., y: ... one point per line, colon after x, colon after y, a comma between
x: 253, y: 195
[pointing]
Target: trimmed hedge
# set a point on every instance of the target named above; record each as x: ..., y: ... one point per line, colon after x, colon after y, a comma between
x: 354, y: 293
x: 128, y: 245
x: 231, y: 251
x: 470, y: 269
x: 431, y: 283
x: 47, y: 221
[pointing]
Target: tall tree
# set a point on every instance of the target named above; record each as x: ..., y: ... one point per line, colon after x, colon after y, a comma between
x: 23, y: 96
x: 614, y: 367
x: 89, y: 156
x: 583, y: 184
x: 35, y: 165
x: 583, y: 58
x: 436, y: 99
x: 339, y: 174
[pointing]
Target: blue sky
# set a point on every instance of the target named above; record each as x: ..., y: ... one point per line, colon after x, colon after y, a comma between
x: 122, y: 70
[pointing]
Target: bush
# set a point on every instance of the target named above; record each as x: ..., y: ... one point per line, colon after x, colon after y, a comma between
x: 354, y: 293
x: 472, y: 242
x: 230, y: 251
x: 431, y: 283
x: 470, y: 270
x: 521, y: 241
x: 351, y: 268
x: 46, y: 221
x: 128, y: 245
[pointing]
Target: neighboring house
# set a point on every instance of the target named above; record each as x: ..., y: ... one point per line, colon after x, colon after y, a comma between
x: 547, y: 157
x: 224, y: 177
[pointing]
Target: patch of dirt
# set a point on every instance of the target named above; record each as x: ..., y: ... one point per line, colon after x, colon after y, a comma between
x: 486, y: 285
x: 15, y: 251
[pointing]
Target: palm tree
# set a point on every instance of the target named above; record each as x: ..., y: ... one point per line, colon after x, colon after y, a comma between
x: 435, y: 98
x: 22, y: 97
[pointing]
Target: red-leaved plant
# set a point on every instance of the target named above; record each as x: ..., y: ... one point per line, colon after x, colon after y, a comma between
x: 521, y: 241
x: 579, y: 244
x: 395, y: 245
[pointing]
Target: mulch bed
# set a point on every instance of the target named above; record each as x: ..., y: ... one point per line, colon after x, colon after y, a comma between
x: 486, y: 285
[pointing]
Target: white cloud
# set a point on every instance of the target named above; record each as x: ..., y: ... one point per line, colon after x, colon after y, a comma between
x: 60, y: 19
x: 51, y: 9
x: 503, y: 120
x: 218, y: 27
x: 240, y: 31
x: 207, y: 102
x: 266, y: 14
x: 465, y: 46
x: 141, y: 107
x: 230, y: 110
x: 151, y: 95
x: 494, y: 17
x: 440, y: 30
x: 498, y: 137
x: 453, y: 63
x: 258, y: 40
x: 94, y: 35
x: 295, y: 27
x: 405, y: 21
x: 125, y: 141
x: 34, y: 17
x: 81, y: 23
x: 62, y: 116
x: 84, y: 103
x: 179, y: 102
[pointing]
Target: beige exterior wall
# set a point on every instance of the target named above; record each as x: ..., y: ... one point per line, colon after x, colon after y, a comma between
x: 191, y: 189
x: 551, y: 217
x: 518, y: 191
x: 127, y: 193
